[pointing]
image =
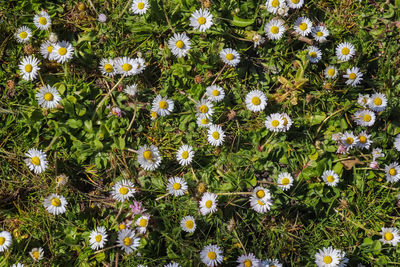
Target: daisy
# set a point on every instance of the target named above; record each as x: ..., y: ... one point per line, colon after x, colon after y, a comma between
x: 149, y: 157
x: 392, y: 172
x: 390, y: 236
x: 201, y: 20
x: 216, y: 135
x: 364, y: 140
x: 261, y: 193
x: 125, y: 66
x: 102, y: 18
x: 274, y: 5
x: 204, y: 122
x: 62, y: 52
x: 204, y: 109
x: 261, y: 205
x: 295, y: 3
x: 328, y: 257
x: 314, y: 54
x: 36, y: 254
x: 215, y: 93
x: 377, y: 102
x: 107, y: 67
x: 354, y: 76
x: 330, y: 178
x: 48, y: 97
x: 274, y: 122
x: 5, y: 240
x: 363, y: 100
x: 256, y: 101
x: 36, y: 160
x: 377, y: 153
x: 61, y: 180
x: 208, y: 203
x: 123, y: 190
x: 285, y: 181
x: 55, y: 204
x: 303, y: 26
x: 211, y: 255
x: 172, y: 264
x: 274, y: 29
x: 177, y: 186
x: 98, y: 238
x: 229, y: 56
x: 153, y: 115
x: 330, y: 72
x: 319, y: 33
x: 127, y: 240
x: 53, y: 37
x: 162, y: 105
x: 179, y: 44
x: 270, y: 263
x: 185, y: 155
x: 188, y: 224
x: 397, y: 142
x: 364, y: 117
x: 140, y: 6
x: 42, y: 20
x: 142, y: 223
x: 131, y: 90
x: 345, y: 51
x: 349, y: 140
x: 29, y: 67
x: 248, y: 260
x: 18, y: 265
x: 46, y: 48
x: 257, y: 39
x: 23, y: 34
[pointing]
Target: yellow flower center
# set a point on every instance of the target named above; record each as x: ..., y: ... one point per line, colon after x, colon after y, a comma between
x: 388, y: 236
x: 215, y: 135
x: 108, y: 67
x: 247, y: 263
x: 203, y: 109
x: 327, y: 259
x: 35, y: 160
x: 215, y: 93
x: 275, y: 3
x: 378, y: 101
x: 62, y: 51
x: 127, y: 241
x: 345, y: 51
x: 331, y: 72
x: 349, y: 140
x: 204, y: 121
x: 147, y: 154
x: 275, y: 123
x: 352, y: 76
x: 295, y: 1
x: 285, y: 181
x: 363, y: 139
x: 23, y: 35
x: 2, y: 240
x: 123, y: 190
x: 140, y: 5
x: 367, y: 117
x: 98, y: 238
x: 127, y: 67
x: 48, y: 96
x: 189, y: 224
x: 35, y: 255
x: 392, y: 171
x: 176, y: 186
x: 208, y: 204
x: 201, y: 20
x: 284, y: 121
x: 313, y: 54
x: 28, y: 68
x: 260, y: 203
x: 55, y: 202
x: 179, y: 44
x: 319, y: 34
x: 122, y: 226
x: 330, y: 178
x: 163, y: 104
x: 256, y: 100
x: 154, y: 114
x: 143, y: 222
x: 260, y: 193
x: 303, y: 26
x: 229, y: 56
x: 274, y: 29
x: 49, y: 49
x: 185, y: 154
x: 43, y: 21
x: 212, y: 255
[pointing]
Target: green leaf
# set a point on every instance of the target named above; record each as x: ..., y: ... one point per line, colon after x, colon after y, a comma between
x: 242, y: 22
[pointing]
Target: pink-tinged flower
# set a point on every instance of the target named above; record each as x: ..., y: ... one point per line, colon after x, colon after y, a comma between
x: 374, y: 165
x: 137, y: 207
x: 116, y: 111
x: 341, y: 150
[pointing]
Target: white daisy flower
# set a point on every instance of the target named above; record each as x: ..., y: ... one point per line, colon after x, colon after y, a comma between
x: 295, y: 3
x: 5, y: 240
x: 29, y: 67
x: 330, y: 72
x: 319, y: 33
x: 62, y: 51
x: 55, y: 204
x: 364, y: 117
x: 314, y: 54
x: 177, y: 186
x: 211, y: 255
x: 392, y: 172
x: 98, y: 238
x: 303, y: 26
x: 204, y: 108
x: 215, y: 93
x: 36, y: 254
x: 287, y: 122
x: 149, y: 157
x: 363, y: 100
x: 162, y: 105
x: 204, y: 122
x: 18, y: 265
x: 390, y: 236
x: 36, y: 160
x: 248, y: 260
x: 216, y: 135
x: 330, y: 177
x: 377, y: 153
x: 364, y: 140
x: 131, y: 90
x: 53, y: 37
x: 48, y: 97
x: 179, y: 44
x: 153, y: 115
x: 107, y: 67
x: 188, y: 224
x: 274, y: 29
x: 185, y: 155
x: 172, y: 264
x: 123, y: 190
x: 261, y: 193
x: 42, y: 20
x: 271, y: 262
x: 125, y: 66
x: 128, y: 241
x: 229, y: 56
x: 257, y: 39
x: 208, y: 203
x: 328, y: 257
x: 378, y: 102
x: 345, y: 51
x: 261, y: 205
x: 140, y: 6
x: 274, y: 122
x: 274, y: 5
x: 256, y: 101
x: 46, y: 48
x: 349, y: 140
x: 397, y: 142
x: 102, y: 18
x: 142, y: 223
x: 201, y: 20
x: 354, y: 76
x: 23, y: 34
x: 285, y: 181
x: 139, y: 65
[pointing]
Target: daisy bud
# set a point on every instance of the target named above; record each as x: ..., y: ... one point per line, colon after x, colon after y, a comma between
x: 374, y: 165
